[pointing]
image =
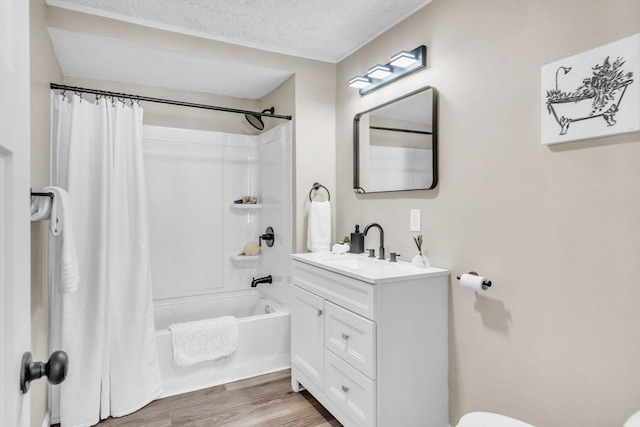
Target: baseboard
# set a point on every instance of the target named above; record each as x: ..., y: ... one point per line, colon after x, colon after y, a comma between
x: 46, y: 421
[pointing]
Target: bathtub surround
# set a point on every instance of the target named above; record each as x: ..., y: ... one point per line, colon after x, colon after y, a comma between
x: 274, y: 172
x: 106, y: 326
x: 193, y: 178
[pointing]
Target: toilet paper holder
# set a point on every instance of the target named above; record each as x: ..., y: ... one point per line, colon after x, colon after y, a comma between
x: 485, y: 283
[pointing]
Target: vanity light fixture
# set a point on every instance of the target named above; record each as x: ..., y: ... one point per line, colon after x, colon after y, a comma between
x: 359, y: 82
x: 379, y: 72
x: 400, y: 65
x: 402, y: 59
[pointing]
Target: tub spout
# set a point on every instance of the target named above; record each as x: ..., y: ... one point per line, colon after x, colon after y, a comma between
x: 266, y: 279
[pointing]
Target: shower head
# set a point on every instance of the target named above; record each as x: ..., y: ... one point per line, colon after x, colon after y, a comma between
x: 256, y: 121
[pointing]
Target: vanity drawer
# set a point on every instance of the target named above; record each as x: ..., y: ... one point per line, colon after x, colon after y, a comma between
x: 351, y: 337
x: 349, y: 293
x: 351, y: 394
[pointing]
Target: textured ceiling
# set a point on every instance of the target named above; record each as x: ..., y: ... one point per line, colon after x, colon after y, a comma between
x: 326, y: 30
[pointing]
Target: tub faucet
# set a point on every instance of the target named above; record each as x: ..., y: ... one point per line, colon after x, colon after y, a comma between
x: 375, y: 224
x: 266, y: 279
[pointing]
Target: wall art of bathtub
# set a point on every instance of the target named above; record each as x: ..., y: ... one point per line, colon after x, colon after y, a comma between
x: 592, y: 94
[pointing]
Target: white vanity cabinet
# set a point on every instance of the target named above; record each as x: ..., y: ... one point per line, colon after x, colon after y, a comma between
x: 369, y: 339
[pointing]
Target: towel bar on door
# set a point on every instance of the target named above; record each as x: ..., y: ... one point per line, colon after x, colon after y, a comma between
x: 317, y: 186
x: 36, y: 194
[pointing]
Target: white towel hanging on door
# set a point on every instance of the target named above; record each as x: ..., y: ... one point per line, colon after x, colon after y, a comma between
x: 40, y: 208
x: 61, y: 224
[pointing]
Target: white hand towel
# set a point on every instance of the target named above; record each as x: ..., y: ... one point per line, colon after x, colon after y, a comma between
x: 40, y: 208
x: 319, y: 230
x: 340, y: 248
x: 62, y: 224
x: 209, y: 339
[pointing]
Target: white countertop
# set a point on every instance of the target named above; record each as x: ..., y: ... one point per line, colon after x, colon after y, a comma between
x: 371, y: 270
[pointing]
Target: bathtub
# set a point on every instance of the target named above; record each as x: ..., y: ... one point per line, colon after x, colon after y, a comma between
x: 263, y: 339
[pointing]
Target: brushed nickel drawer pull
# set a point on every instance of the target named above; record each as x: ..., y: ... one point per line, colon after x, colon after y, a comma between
x: 345, y: 336
x: 319, y: 312
x: 345, y: 389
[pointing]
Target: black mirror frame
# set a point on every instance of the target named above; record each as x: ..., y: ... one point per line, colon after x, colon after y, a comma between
x: 356, y: 141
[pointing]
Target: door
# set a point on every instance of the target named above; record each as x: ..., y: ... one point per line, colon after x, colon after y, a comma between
x: 307, y: 334
x: 15, y: 310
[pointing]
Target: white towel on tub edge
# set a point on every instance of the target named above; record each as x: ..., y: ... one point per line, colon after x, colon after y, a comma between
x: 202, y: 340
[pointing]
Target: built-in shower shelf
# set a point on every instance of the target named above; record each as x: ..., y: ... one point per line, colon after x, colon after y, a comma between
x: 240, y: 207
x: 244, y: 261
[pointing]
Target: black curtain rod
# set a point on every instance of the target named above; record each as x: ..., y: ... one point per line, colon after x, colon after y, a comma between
x: 163, y: 101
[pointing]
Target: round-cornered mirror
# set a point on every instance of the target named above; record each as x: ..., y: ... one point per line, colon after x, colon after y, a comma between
x: 395, y: 145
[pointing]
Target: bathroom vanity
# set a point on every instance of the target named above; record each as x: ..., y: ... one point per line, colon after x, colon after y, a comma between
x: 369, y: 339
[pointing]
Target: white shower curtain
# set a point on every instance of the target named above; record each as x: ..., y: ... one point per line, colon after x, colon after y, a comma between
x: 107, y: 326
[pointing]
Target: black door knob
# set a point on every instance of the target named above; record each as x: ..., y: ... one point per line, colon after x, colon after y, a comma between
x: 55, y: 369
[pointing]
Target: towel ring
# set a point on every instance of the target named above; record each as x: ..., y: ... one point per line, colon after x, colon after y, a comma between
x: 317, y: 186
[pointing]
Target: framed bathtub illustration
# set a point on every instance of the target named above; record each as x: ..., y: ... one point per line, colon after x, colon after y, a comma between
x: 592, y: 94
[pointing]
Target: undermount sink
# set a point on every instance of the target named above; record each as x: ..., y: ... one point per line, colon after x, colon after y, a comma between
x: 372, y: 270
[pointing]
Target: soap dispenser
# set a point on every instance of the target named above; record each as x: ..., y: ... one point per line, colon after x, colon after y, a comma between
x: 357, y: 242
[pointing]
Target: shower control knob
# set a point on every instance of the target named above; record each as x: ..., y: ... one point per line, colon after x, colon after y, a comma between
x: 55, y: 369
x: 268, y: 237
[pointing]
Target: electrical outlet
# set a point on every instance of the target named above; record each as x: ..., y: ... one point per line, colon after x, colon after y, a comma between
x: 415, y: 222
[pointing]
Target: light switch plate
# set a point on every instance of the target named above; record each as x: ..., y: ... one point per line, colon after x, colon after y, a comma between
x: 415, y: 222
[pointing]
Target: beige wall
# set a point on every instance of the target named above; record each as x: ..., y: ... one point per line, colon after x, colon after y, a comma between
x: 44, y: 69
x: 315, y: 91
x: 556, y: 342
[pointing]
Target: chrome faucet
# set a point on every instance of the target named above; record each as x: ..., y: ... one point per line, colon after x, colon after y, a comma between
x: 375, y: 224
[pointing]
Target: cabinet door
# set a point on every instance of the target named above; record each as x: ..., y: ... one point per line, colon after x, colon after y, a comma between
x: 307, y: 335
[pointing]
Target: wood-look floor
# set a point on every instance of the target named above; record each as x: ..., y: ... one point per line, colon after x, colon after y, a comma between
x: 264, y: 401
